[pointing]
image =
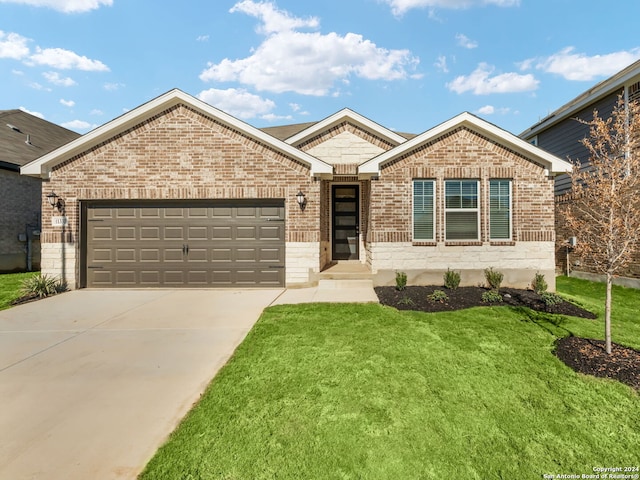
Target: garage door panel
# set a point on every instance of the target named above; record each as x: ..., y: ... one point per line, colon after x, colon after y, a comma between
x: 150, y: 233
x: 126, y: 255
x: 222, y: 233
x: 184, y: 245
x: 246, y: 233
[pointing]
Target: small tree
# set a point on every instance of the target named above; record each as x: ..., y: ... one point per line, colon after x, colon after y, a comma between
x: 604, y: 211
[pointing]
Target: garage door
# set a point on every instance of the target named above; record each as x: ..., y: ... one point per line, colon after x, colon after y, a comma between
x: 184, y: 245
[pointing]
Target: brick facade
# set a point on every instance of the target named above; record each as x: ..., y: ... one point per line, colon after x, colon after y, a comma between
x: 20, y: 206
x: 463, y: 154
x: 184, y: 150
x: 181, y: 154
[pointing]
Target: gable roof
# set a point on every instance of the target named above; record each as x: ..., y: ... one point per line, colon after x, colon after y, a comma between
x: 595, y: 93
x: 346, y: 115
x: 551, y: 162
x: 25, y: 137
x: 43, y: 165
x: 282, y: 132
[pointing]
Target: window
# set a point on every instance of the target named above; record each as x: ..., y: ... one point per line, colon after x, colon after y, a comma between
x: 462, y: 219
x: 423, y: 210
x: 500, y: 209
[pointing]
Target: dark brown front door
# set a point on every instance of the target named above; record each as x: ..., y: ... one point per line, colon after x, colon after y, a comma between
x: 345, y: 206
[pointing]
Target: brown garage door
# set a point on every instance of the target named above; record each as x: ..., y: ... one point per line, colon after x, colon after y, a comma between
x: 184, y: 244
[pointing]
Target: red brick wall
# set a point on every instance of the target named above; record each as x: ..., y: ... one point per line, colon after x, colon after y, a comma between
x: 181, y: 154
x: 461, y: 154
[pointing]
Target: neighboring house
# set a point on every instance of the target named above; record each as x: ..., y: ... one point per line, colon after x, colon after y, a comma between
x: 561, y: 133
x: 178, y: 193
x: 23, y: 138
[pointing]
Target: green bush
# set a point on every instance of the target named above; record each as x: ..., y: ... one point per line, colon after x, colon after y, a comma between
x: 401, y: 281
x: 451, y: 279
x: 406, y: 300
x: 494, y: 278
x: 551, y: 299
x: 491, y: 296
x: 539, y: 284
x: 42, y: 286
x: 438, y: 296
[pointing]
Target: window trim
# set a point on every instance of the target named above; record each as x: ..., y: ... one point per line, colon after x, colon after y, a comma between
x: 477, y: 211
x: 510, y: 237
x: 413, y: 201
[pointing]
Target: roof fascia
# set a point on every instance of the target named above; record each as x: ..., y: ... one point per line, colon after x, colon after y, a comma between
x: 595, y: 93
x: 43, y: 165
x: 353, y: 117
x: 551, y: 162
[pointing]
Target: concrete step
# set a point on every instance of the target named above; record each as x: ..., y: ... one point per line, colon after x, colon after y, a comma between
x: 342, y: 283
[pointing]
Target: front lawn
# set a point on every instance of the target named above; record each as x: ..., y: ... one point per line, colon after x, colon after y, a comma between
x: 368, y: 392
x: 10, y: 285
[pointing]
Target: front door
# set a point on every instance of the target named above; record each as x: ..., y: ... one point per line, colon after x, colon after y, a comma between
x: 345, y: 206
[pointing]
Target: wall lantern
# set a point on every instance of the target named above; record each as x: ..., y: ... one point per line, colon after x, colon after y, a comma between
x: 55, y: 201
x: 300, y: 198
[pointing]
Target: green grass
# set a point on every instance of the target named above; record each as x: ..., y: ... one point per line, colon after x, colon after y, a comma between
x: 368, y: 392
x: 10, y: 284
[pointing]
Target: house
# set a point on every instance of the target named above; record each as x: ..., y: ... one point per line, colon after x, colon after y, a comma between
x: 177, y: 193
x: 560, y: 134
x: 23, y: 138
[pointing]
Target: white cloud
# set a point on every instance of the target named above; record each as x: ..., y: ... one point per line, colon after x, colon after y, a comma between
x: 65, y: 60
x: 465, y: 41
x: 308, y: 63
x: 271, y: 117
x: 17, y: 72
x: 95, y: 111
x: 490, y: 110
x: 37, y: 86
x: 202, y: 38
x: 66, y: 6
x: 441, y: 64
x: 110, y: 87
x: 579, y: 66
x: 480, y: 82
x: 79, y: 125
x: 56, y: 79
x: 295, y: 107
x: 35, y: 114
x: 13, y: 45
x: 273, y: 20
x: 237, y: 102
x: 67, y: 103
x: 400, y: 7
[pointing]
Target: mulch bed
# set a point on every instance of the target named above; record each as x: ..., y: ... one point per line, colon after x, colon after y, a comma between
x: 588, y: 356
x: 416, y: 298
x: 583, y: 355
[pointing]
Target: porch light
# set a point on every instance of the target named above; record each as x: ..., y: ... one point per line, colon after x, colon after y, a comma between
x: 300, y: 198
x: 55, y: 201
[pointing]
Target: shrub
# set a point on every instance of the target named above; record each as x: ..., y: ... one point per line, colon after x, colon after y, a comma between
x: 494, y: 278
x: 491, y: 296
x: 406, y: 300
x: 551, y: 299
x: 451, y: 279
x: 42, y: 286
x: 401, y: 281
x: 438, y: 296
x: 539, y: 284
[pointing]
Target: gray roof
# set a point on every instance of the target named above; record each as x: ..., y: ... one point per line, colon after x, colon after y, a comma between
x: 283, y: 132
x: 16, y: 127
x: 598, y: 91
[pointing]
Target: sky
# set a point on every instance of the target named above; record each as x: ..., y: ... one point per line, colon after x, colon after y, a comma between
x: 408, y: 65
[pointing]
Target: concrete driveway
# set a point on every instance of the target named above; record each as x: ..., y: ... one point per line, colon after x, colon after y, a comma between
x: 93, y: 381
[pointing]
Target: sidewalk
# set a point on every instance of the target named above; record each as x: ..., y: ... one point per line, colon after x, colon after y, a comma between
x: 334, y: 291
